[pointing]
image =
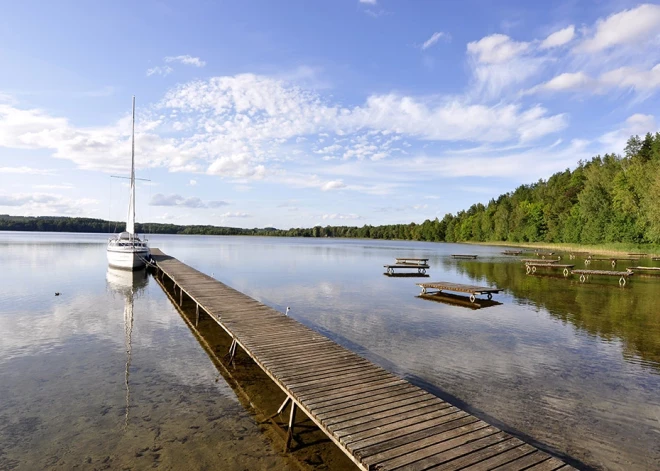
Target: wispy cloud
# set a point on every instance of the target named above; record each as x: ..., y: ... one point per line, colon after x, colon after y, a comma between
x: 368, y: 2
x: 625, y: 27
x: 341, y: 216
x: 64, y: 186
x: 435, y: 37
x: 235, y: 215
x: 187, y: 60
x: 165, y: 70
x: 101, y: 92
x: 160, y: 199
x: 26, y: 170
x: 47, y: 204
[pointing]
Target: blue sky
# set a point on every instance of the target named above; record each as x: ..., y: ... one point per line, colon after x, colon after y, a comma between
x: 298, y: 113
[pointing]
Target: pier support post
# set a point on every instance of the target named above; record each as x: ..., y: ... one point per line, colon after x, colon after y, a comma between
x: 292, y: 420
x: 232, y: 350
x: 197, y: 315
x: 180, y: 296
x: 279, y: 411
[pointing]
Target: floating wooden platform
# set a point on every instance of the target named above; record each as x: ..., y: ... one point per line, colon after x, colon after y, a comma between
x: 380, y: 421
x: 547, y: 254
x: 460, y: 288
x: 419, y: 261
x: 472, y: 257
x: 512, y: 252
x: 621, y: 274
x: 532, y: 266
x: 612, y: 260
x: 655, y: 259
x: 421, y: 269
x: 537, y: 260
x: 649, y: 269
x: 406, y: 275
x: 638, y: 254
x: 456, y: 300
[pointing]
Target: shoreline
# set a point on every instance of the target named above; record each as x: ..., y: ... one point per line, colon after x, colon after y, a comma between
x: 604, y: 249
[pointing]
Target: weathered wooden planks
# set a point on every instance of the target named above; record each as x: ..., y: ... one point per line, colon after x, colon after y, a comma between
x: 379, y: 420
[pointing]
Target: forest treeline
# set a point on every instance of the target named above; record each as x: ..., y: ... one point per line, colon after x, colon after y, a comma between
x: 610, y: 198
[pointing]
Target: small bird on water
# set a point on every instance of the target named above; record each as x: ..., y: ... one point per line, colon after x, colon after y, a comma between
x: 57, y: 294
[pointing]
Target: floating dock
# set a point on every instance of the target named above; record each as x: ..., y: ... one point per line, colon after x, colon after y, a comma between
x: 532, y: 266
x: 380, y: 421
x: 623, y: 275
x: 459, y: 288
x: 467, y: 257
x: 612, y: 260
x: 421, y: 269
x: 649, y: 270
x: 537, y: 260
x: 512, y: 252
x: 418, y: 261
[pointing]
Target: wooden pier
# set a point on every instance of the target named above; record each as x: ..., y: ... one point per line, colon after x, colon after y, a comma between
x: 463, y: 256
x: 459, y: 288
x: 380, y: 421
x: 623, y: 275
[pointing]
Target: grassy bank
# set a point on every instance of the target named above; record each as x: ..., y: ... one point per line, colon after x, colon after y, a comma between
x: 603, y: 249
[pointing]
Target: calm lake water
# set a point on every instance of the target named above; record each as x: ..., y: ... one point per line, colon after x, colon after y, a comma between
x: 109, y: 375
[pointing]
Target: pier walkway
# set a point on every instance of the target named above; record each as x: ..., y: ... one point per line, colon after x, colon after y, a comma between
x: 380, y: 421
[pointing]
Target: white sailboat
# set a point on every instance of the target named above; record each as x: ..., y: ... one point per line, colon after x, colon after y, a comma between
x: 126, y: 250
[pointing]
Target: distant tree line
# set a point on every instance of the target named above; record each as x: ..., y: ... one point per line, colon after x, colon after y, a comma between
x: 612, y: 198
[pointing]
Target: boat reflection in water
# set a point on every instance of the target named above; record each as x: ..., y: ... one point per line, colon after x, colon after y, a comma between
x: 129, y: 284
x: 457, y: 300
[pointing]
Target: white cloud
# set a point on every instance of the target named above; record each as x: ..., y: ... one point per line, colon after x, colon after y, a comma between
x: 623, y: 77
x: 192, y: 182
x: 368, y: 2
x: 26, y: 170
x: 499, y: 64
x: 496, y: 49
x: 640, y: 124
x: 558, y: 38
x: 187, y: 60
x: 631, y: 77
x: 341, y: 216
x: 631, y: 26
x: 435, y: 37
x: 160, y: 199
x: 47, y: 204
x: 65, y: 186
x: 236, y: 215
x: 248, y: 127
x: 567, y: 81
x: 165, y: 70
x: 333, y: 185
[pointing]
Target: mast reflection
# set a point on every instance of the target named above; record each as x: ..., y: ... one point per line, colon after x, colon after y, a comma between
x: 129, y: 284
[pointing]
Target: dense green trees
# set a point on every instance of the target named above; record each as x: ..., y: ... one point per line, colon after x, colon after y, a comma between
x: 607, y: 199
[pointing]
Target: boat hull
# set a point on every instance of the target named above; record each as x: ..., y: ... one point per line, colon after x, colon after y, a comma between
x: 128, y: 259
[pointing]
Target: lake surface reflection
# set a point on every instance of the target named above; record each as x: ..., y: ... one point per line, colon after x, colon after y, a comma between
x: 572, y: 366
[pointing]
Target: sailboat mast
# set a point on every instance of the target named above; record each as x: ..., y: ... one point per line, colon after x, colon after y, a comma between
x: 133, y: 167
